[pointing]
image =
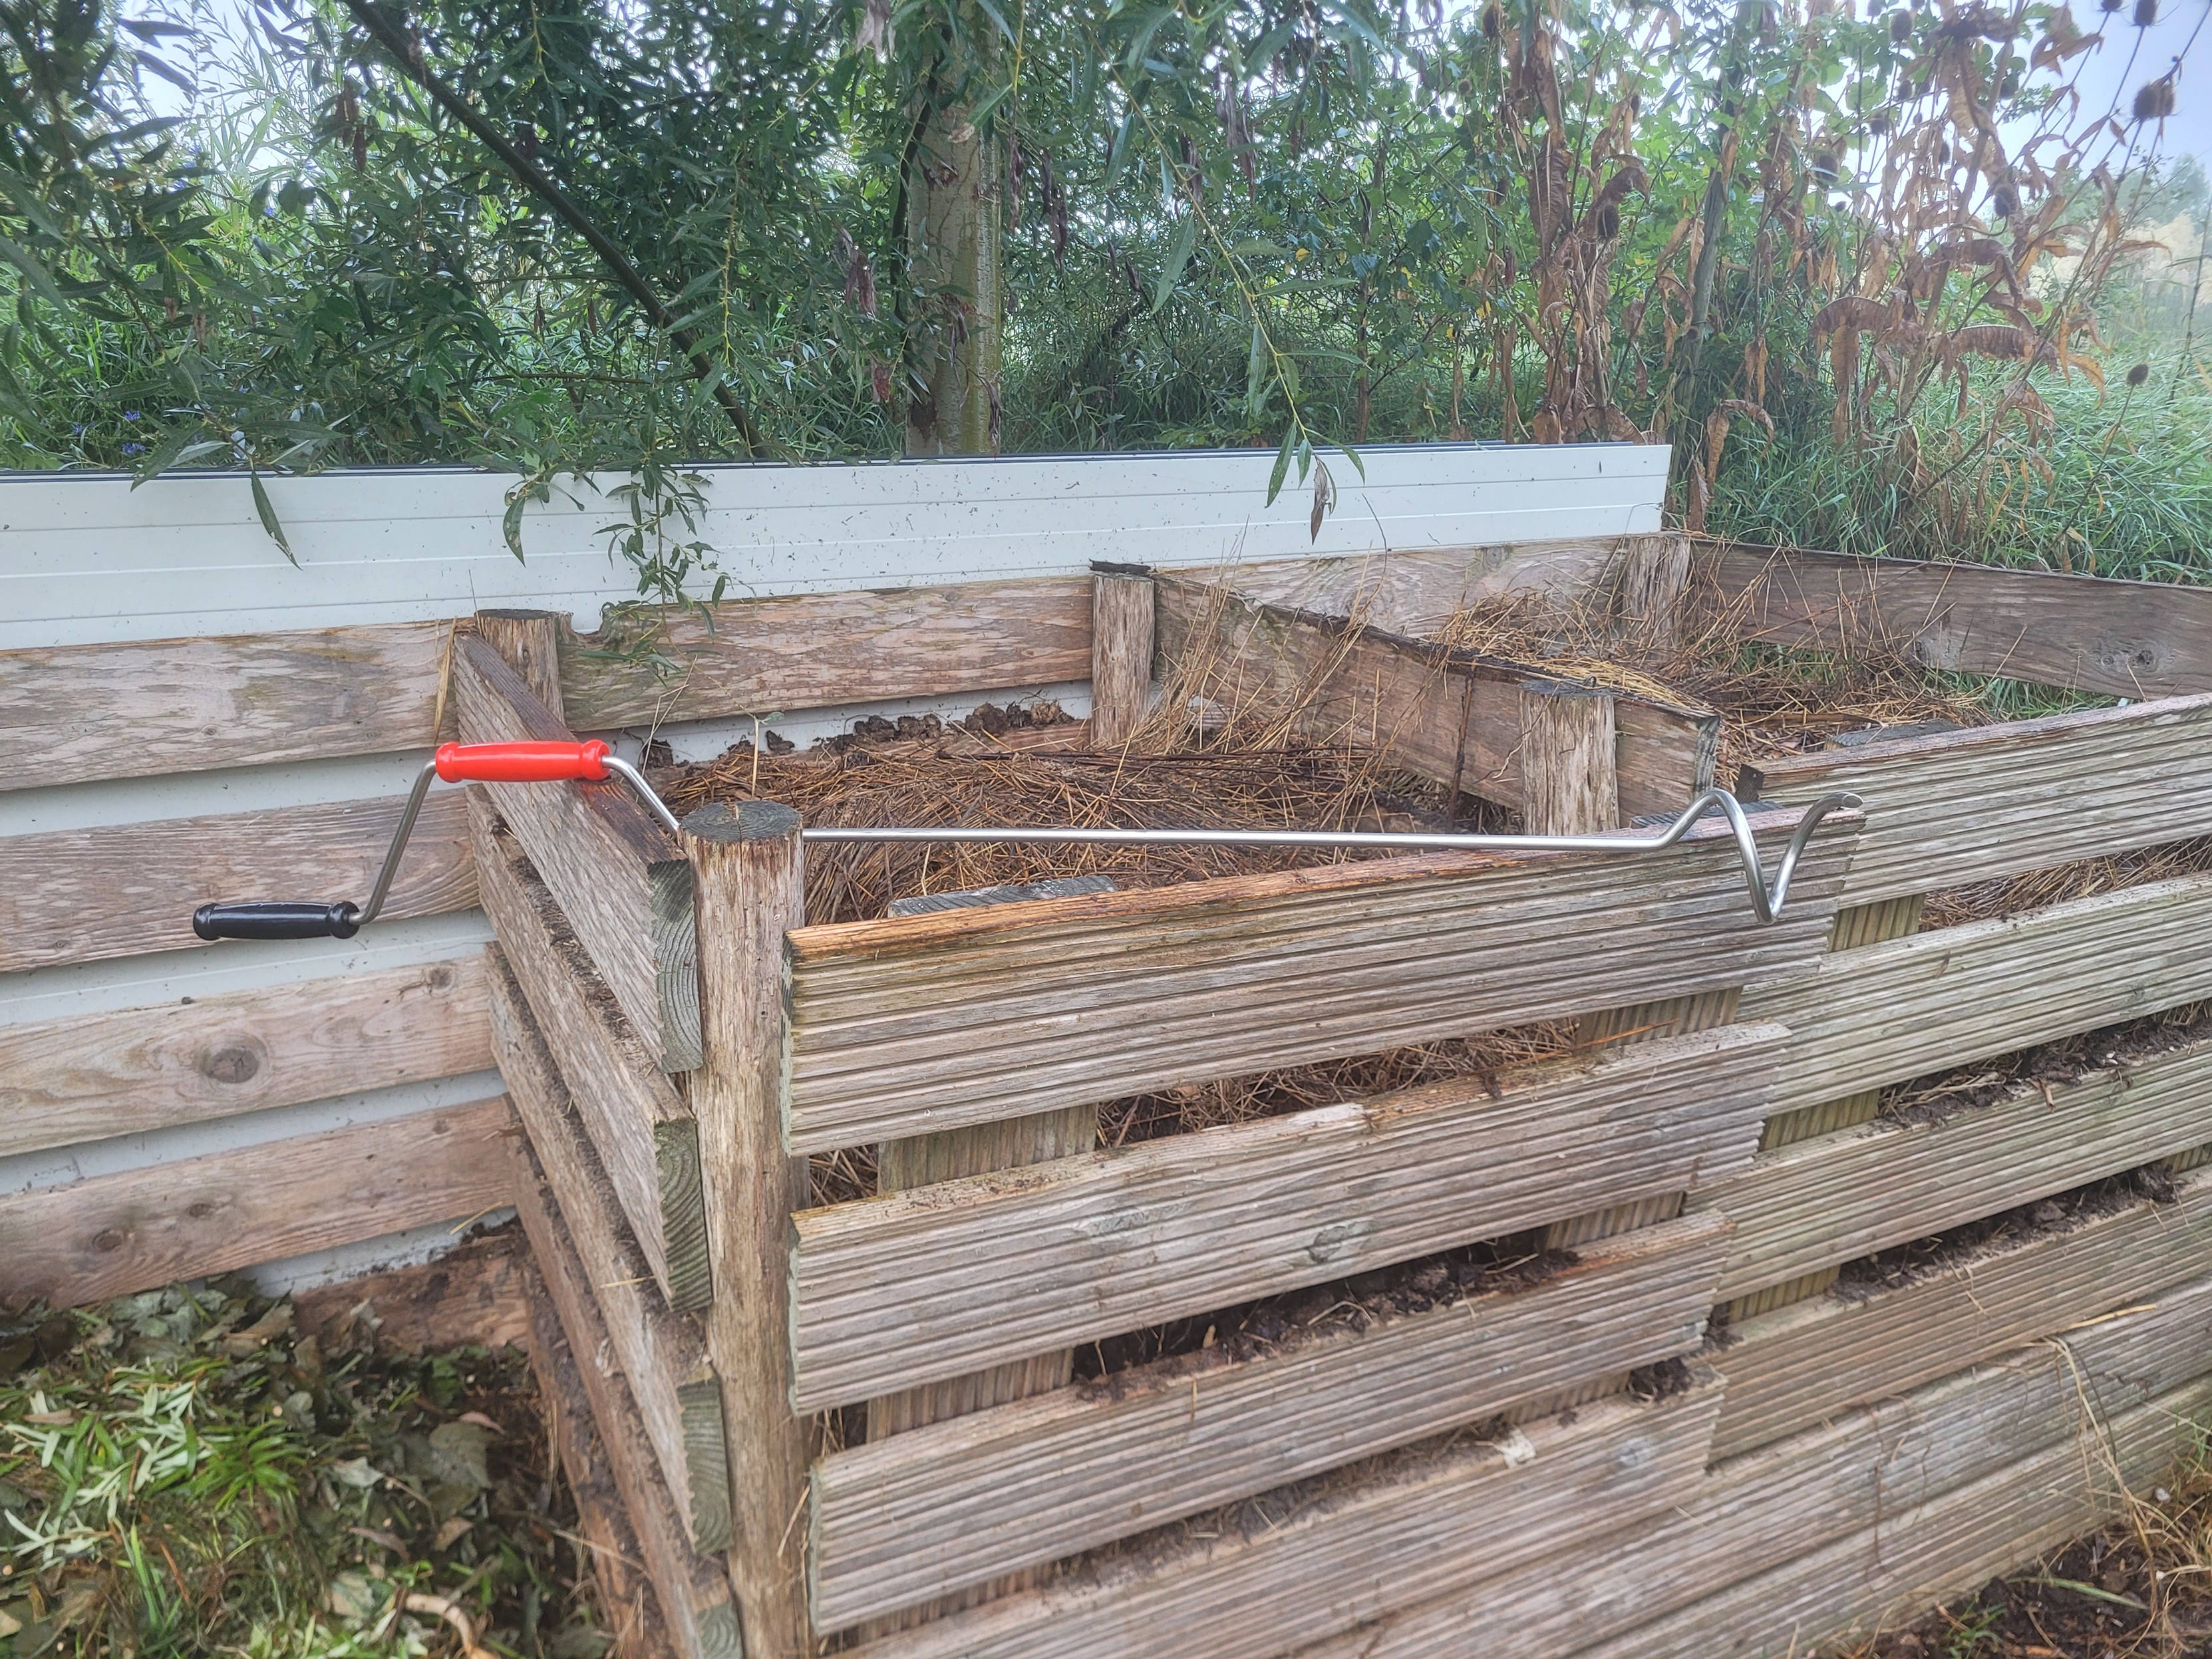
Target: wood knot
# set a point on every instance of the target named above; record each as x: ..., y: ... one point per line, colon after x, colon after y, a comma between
x: 238, y: 1063
x: 109, y: 1240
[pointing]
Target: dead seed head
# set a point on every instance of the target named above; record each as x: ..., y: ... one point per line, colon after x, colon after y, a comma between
x: 1900, y: 27
x: 2154, y: 101
x: 2146, y: 13
x: 2138, y: 375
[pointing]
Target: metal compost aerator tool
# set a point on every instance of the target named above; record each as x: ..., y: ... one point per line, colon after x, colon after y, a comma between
x: 1766, y: 899
x: 591, y: 762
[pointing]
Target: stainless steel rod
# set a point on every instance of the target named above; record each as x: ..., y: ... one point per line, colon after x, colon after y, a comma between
x: 1767, y: 899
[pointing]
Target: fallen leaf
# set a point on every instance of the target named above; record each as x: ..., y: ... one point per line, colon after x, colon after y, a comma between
x: 450, y: 1531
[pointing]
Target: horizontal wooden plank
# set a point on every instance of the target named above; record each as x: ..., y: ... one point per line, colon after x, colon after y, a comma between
x: 469, y: 1296
x: 993, y: 1268
x: 133, y: 1070
x: 125, y: 889
x: 617, y: 874
x: 1917, y: 1555
x: 963, y: 1501
x: 2092, y: 633
x: 642, y: 1134
x: 1462, y: 1514
x: 928, y: 1023
x: 111, y: 1235
x: 767, y: 656
x: 1786, y: 1501
x: 1947, y: 808
x: 1984, y: 988
x: 1838, y: 1197
x: 662, y: 1353
x: 693, y: 1590
x: 1417, y: 590
x: 82, y: 712
x: 1790, y: 1368
x: 1451, y: 716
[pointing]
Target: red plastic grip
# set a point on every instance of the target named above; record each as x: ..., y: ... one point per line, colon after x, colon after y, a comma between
x: 521, y: 763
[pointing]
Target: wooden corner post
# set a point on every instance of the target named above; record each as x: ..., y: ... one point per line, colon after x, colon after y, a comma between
x: 749, y: 876
x: 1570, y: 775
x: 530, y: 642
x: 1121, y: 606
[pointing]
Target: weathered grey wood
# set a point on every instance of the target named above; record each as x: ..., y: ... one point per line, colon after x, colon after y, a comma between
x: 529, y: 642
x: 1450, y: 715
x: 642, y: 1131
x: 135, y: 1070
x: 1887, y: 1013
x: 928, y: 1023
x: 1417, y: 1530
x: 693, y: 1590
x: 1653, y: 575
x: 625, y: 1603
x: 1953, y: 808
x: 814, y: 650
x: 1918, y: 1555
x: 130, y: 889
x: 613, y: 868
x: 997, y: 1267
x: 1972, y: 1430
x: 1121, y: 654
x: 961, y: 1502
x: 1843, y: 1196
x: 1789, y: 1369
x: 661, y: 1352
x: 751, y: 887
x: 1417, y: 590
x: 77, y: 712
x: 2130, y: 639
x: 1568, y: 782
x: 113, y: 1234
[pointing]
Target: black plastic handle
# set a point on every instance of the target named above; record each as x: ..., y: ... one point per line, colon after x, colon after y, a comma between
x: 278, y: 919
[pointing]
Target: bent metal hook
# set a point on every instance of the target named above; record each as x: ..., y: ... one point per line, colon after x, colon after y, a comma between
x: 593, y: 761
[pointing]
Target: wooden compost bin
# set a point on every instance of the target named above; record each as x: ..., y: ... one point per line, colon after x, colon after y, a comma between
x: 1476, y: 1472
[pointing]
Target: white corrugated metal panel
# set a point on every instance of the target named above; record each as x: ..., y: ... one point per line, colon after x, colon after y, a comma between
x: 87, y: 558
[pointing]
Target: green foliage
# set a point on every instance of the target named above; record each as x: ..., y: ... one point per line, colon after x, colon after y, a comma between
x: 1253, y: 224
x: 181, y: 1472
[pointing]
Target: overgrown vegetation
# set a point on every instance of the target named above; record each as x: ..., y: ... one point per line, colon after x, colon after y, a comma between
x: 182, y: 1472
x: 1880, y: 278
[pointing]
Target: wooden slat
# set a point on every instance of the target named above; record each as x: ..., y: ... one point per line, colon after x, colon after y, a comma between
x: 693, y: 1590
x: 1841, y: 1196
x: 111, y: 1235
x: 2130, y: 639
x: 997, y: 1266
x: 662, y: 1354
x: 1912, y: 1006
x: 466, y: 1296
x: 641, y: 1132
x: 123, y: 889
x: 960, y: 1502
x: 1419, y: 1529
x: 1417, y: 590
x: 1788, y: 1369
x: 1917, y: 1555
x: 1952, y: 807
x: 626, y: 1605
x: 926, y: 1023
x: 620, y: 880
x: 1121, y: 653
x: 132, y: 1070
x: 815, y: 650
x: 1754, y: 1513
x: 1447, y: 715
x: 84, y: 711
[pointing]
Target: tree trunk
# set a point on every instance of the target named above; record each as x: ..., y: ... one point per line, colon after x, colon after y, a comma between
x: 954, y: 183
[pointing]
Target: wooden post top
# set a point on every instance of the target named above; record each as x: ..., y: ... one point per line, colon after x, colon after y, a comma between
x: 721, y: 823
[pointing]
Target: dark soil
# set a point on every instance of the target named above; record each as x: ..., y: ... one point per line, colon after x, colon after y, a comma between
x: 2046, y: 1066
